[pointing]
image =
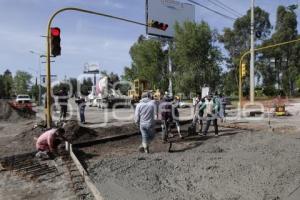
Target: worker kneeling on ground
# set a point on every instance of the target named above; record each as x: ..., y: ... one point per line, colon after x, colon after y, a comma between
x: 48, y: 142
x: 144, y: 118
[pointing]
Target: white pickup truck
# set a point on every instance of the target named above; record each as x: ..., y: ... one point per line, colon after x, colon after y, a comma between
x: 23, y: 98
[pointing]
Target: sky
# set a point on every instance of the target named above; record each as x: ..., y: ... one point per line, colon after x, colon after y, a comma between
x: 89, y: 38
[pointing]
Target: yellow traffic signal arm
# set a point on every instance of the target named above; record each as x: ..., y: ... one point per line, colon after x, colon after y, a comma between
x: 258, y: 49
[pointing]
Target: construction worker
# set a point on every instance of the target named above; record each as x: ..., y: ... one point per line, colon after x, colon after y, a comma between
x: 81, y: 106
x: 217, y: 102
x: 222, y: 107
x: 210, y: 110
x: 63, y: 102
x: 47, y: 142
x: 198, y: 115
x: 175, y: 113
x: 144, y: 118
x: 168, y: 113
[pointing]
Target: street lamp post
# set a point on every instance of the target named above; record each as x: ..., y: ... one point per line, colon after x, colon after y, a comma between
x: 252, y: 60
x: 40, y: 71
x: 39, y: 66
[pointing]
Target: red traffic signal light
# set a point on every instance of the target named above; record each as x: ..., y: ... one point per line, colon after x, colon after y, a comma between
x: 55, y: 41
x: 55, y: 31
x: 158, y: 25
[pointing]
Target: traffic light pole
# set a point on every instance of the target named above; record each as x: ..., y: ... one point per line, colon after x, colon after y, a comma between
x: 48, y: 67
x: 258, y: 49
x: 252, y: 59
x: 170, y: 69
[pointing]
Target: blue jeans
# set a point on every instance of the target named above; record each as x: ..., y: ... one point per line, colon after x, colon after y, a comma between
x: 81, y: 113
x: 147, y: 133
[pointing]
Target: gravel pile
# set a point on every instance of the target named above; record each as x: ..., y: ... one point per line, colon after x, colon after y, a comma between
x: 243, y: 166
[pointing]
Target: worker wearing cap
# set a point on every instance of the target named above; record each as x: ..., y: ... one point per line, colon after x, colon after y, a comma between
x: 210, y: 109
x: 144, y: 118
x: 48, y: 142
x: 169, y: 113
x: 198, y: 113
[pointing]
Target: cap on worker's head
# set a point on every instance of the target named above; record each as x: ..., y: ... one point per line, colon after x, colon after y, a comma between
x: 146, y: 95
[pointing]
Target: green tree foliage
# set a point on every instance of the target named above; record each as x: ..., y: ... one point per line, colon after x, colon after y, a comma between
x: 61, y: 86
x: 149, y: 62
x: 22, y: 82
x: 2, y: 92
x: 7, y: 84
x: 86, y: 86
x: 73, y: 82
x: 285, y: 66
x: 236, y: 41
x: 195, y: 58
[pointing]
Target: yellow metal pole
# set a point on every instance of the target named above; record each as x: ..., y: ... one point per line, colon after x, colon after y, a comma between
x: 48, y: 77
x: 240, y: 78
x: 48, y: 67
x: 258, y: 49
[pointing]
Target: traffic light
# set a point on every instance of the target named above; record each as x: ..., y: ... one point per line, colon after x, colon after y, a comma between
x: 243, y: 69
x: 158, y: 25
x: 55, y: 41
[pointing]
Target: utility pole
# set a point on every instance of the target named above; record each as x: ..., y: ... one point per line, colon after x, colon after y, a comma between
x: 170, y: 70
x: 252, y: 55
x: 39, y: 66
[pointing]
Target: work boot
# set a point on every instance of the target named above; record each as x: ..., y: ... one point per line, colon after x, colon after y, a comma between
x: 141, y: 149
x: 147, y: 150
x: 180, y: 136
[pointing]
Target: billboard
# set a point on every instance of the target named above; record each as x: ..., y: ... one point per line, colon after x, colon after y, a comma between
x: 167, y: 12
x: 91, y: 68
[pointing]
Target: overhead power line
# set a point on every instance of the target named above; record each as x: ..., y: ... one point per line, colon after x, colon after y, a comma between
x: 229, y: 8
x: 235, y: 13
x: 214, y: 11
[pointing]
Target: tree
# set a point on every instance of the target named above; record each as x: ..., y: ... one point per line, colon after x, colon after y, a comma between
x: 61, y: 86
x: 149, y: 62
x: 195, y: 57
x: 236, y: 40
x: 285, y: 64
x: 22, y: 82
x: 86, y: 86
x: 7, y: 84
x: 2, y: 91
x: 73, y: 82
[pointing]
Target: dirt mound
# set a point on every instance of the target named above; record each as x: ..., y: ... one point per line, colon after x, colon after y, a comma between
x: 7, y: 113
x: 77, y: 134
x: 5, y: 110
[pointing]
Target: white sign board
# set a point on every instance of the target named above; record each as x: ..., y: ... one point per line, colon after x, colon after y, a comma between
x: 168, y: 12
x: 205, y: 92
x: 91, y: 68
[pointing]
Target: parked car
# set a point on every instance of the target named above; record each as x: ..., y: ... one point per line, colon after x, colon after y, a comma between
x: 23, y: 98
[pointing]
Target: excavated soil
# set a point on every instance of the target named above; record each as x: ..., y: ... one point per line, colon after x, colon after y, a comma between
x: 24, y: 141
x: 9, y: 114
x: 243, y: 165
